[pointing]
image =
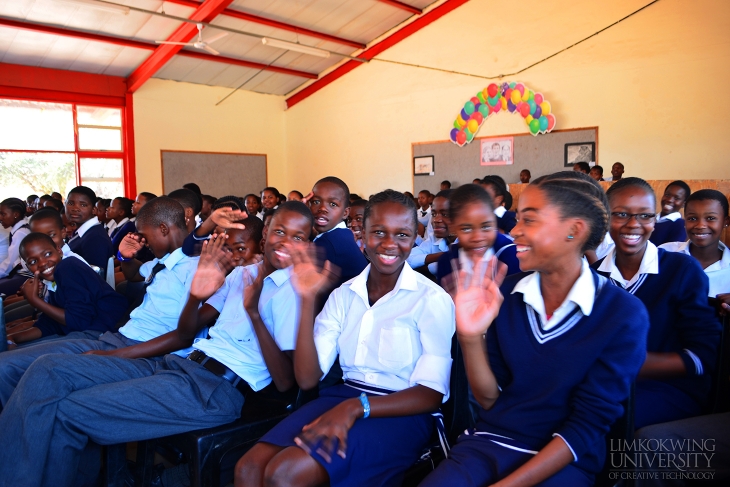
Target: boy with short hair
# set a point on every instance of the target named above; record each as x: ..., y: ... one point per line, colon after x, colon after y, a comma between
x: 432, y: 248
x: 90, y: 240
x: 669, y: 226
x: 424, y: 208
x: 253, y: 205
x: 129, y: 226
x: 596, y: 173
x: 118, y: 213
x: 525, y: 176
x: 190, y: 202
x: 445, y: 184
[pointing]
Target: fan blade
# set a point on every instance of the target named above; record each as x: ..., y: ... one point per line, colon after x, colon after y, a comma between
x: 174, y: 43
x: 210, y: 50
x: 215, y: 38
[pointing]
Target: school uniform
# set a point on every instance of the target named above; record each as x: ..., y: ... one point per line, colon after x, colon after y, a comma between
x: 506, y: 220
x: 431, y: 245
x: 88, y: 301
x: 121, y: 231
x: 158, y: 314
x: 503, y: 248
x: 10, y: 279
x: 424, y: 216
x: 92, y: 243
x: 341, y: 250
x: 402, y: 340
x: 559, y: 376
x: 110, y: 226
x: 111, y: 400
x: 605, y: 247
x: 718, y: 273
x: 669, y: 228
x: 674, y: 290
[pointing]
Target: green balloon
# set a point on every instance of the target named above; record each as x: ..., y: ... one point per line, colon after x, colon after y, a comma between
x: 456, y: 125
x: 469, y: 136
x: 534, y: 126
x: 493, y: 100
x: 469, y: 107
x: 484, y: 110
x: 480, y: 95
x: 512, y: 85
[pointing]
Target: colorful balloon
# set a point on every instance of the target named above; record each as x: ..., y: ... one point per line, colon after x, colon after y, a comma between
x: 543, y: 124
x: 454, y: 132
x: 551, y: 121
x: 511, y: 106
x: 530, y: 94
x: 469, y: 136
x: 477, y: 117
x: 524, y: 109
x: 498, y: 106
x: 461, y: 137
x: 512, y: 85
x: 469, y: 108
x: 491, y: 101
x: 456, y: 125
x: 474, y: 100
x: 532, y: 106
x: 538, y: 98
x: 460, y: 120
x: 472, y: 126
x: 484, y: 110
x: 538, y: 112
x: 492, y: 89
x: 521, y: 88
x: 546, y: 108
x: 464, y: 115
x: 534, y: 127
x: 528, y: 119
x: 504, y: 103
x: 515, y: 97
x: 482, y: 98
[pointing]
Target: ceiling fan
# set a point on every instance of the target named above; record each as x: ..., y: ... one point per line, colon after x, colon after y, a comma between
x: 200, y: 43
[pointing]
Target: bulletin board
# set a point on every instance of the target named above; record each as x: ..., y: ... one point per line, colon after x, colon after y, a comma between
x: 542, y: 154
x: 217, y: 173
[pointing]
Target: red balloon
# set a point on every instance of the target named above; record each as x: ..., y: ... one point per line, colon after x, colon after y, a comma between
x: 551, y: 121
x: 524, y: 109
x: 475, y: 100
x: 492, y: 89
x: 508, y: 93
x: 461, y: 137
x: 478, y: 117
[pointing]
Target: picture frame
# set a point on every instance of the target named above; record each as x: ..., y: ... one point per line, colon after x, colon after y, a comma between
x: 424, y: 166
x: 497, y: 151
x: 579, y: 152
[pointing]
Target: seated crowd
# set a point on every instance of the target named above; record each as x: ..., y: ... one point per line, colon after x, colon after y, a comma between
x: 136, y: 319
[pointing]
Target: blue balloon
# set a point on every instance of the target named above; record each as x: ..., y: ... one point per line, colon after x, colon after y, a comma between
x: 511, y: 106
x: 543, y: 124
x: 533, y: 105
x: 464, y: 115
x: 538, y: 112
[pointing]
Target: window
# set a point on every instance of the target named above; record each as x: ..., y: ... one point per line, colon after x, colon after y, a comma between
x: 46, y: 147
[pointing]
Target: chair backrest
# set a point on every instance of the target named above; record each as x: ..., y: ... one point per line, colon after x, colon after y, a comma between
x: 457, y: 413
x: 109, y: 278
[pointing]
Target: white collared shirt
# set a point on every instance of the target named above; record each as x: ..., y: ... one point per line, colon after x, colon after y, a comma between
x: 13, y: 257
x: 605, y: 247
x: 674, y: 216
x: 339, y: 225
x: 91, y: 222
x: 466, y: 264
x: 110, y: 226
x: 500, y: 211
x: 431, y: 245
x: 233, y: 340
x: 649, y: 265
x: 424, y: 216
x: 67, y: 252
x: 404, y: 339
x: 581, y: 294
x: 718, y: 272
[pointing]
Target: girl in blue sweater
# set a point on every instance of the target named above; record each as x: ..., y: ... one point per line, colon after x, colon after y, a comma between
x: 684, y: 333
x: 552, y: 354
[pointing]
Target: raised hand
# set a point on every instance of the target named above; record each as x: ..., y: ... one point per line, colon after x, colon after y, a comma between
x: 227, y: 217
x: 477, y: 299
x: 307, y: 277
x: 213, y: 266
x: 31, y: 289
x: 130, y: 245
x: 306, y: 199
x: 252, y: 291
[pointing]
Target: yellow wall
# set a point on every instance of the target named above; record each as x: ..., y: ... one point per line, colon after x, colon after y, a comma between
x: 183, y: 116
x: 654, y: 85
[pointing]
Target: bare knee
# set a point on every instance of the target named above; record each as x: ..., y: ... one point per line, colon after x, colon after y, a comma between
x: 250, y: 467
x: 293, y: 467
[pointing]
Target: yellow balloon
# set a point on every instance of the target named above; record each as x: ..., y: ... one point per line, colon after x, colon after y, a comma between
x: 473, y: 126
x: 528, y: 119
x: 504, y: 103
x: 460, y: 121
x: 545, y: 106
x: 516, y: 97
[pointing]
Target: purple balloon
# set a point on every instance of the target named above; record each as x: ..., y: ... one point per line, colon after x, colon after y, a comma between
x: 476, y: 106
x: 464, y: 115
x: 453, y: 134
x: 511, y: 106
x: 538, y: 112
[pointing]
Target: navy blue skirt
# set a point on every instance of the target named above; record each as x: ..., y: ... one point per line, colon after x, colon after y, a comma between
x: 379, y: 450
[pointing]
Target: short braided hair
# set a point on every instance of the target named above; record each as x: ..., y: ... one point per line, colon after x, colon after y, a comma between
x: 577, y: 195
x: 15, y: 205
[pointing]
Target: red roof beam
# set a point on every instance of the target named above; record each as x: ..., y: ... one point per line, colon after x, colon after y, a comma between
x: 47, y: 29
x: 276, y: 24
x: 403, y: 6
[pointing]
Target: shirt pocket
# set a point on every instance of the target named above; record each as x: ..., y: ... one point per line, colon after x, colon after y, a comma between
x: 395, y: 350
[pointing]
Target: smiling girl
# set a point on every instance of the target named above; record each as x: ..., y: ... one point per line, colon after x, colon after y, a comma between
x: 392, y: 328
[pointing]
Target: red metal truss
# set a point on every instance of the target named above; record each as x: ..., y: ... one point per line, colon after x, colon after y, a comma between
x: 47, y: 29
x: 276, y: 24
x: 376, y: 49
x: 403, y: 6
x: 206, y: 12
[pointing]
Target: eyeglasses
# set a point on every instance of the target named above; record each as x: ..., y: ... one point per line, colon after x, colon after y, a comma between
x: 623, y: 217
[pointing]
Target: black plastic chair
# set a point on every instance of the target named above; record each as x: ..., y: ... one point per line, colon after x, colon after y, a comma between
x: 720, y: 393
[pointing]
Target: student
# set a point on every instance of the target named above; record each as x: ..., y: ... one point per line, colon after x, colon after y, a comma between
x: 249, y: 349
x: 472, y: 222
x: 684, y: 333
x: 424, y: 208
x: 525, y: 176
x: 228, y: 212
x: 207, y: 206
x: 596, y: 173
x: 329, y: 203
x: 12, y: 217
x: 129, y: 226
x: 100, y: 211
x: 295, y: 196
x: 669, y: 225
x: 445, y: 184
x: 617, y: 172
x: 161, y: 225
x: 270, y: 198
x: 30, y: 205
x: 506, y: 220
x: 191, y: 203
x: 548, y: 372
x: 245, y: 245
x: 89, y: 240
x: 119, y: 214
x: 57, y: 196
x: 193, y: 187
x: 55, y: 204
x: 355, y: 221
x: 706, y: 215
x: 78, y: 299
x: 392, y: 329
x: 431, y: 249
x: 582, y: 166
x: 253, y: 205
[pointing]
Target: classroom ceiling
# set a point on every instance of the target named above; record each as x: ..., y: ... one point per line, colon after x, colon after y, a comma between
x: 340, y: 26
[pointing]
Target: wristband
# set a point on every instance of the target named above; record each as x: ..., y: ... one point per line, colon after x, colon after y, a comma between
x: 365, y: 405
x: 121, y: 258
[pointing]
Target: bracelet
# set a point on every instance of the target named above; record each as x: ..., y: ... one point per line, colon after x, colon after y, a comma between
x: 365, y: 405
x: 121, y: 258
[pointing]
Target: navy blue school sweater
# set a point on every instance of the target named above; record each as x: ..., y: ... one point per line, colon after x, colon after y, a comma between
x: 668, y: 231
x: 568, y: 381
x: 119, y: 233
x: 341, y: 250
x: 507, y: 222
x: 681, y: 320
x: 90, y: 303
x: 95, y: 246
x: 503, y: 247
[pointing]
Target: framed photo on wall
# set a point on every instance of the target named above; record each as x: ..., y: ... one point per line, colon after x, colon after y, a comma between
x: 497, y: 151
x: 423, y: 166
x: 580, y: 152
